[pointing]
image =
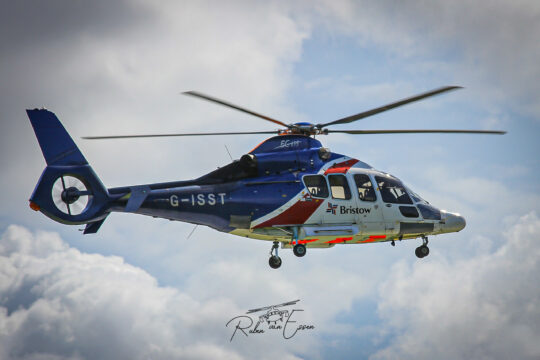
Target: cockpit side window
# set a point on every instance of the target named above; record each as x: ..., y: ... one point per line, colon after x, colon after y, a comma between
x: 392, y: 191
x: 340, y: 187
x: 365, y: 188
x: 429, y: 212
x: 316, y: 185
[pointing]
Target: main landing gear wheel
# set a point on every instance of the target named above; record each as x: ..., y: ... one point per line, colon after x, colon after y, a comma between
x: 299, y: 250
x: 275, y: 260
x: 423, y: 250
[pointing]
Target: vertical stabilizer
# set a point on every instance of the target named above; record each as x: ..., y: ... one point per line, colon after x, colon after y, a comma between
x: 57, y: 146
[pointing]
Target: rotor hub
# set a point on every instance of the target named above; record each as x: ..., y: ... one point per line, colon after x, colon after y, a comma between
x: 304, y: 128
x: 70, y: 195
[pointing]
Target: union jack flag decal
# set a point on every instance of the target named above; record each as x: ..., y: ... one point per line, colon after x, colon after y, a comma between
x: 331, y: 209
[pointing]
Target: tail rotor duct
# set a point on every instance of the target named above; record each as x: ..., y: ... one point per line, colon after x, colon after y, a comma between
x: 70, y: 195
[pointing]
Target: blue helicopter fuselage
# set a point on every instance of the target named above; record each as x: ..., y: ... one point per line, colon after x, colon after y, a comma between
x: 289, y: 189
x: 238, y: 193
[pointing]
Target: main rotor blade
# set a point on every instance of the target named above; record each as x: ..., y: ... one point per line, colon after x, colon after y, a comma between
x: 171, y: 135
x: 396, y: 104
x: 236, y: 107
x: 422, y: 131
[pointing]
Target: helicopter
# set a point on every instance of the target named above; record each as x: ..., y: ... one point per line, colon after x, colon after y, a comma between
x: 289, y: 189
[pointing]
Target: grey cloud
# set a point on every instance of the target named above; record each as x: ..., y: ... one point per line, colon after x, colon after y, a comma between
x: 26, y: 24
x: 491, y: 46
x: 119, y: 67
x: 483, y: 307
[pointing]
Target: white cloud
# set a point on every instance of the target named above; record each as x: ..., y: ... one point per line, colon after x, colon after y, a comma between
x: 56, y: 302
x: 486, y: 307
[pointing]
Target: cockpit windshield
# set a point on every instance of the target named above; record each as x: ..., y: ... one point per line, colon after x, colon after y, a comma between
x: 416, y: 198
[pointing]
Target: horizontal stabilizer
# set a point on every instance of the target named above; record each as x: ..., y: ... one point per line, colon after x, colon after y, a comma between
x: 138, y: 195
x: 93, y: 227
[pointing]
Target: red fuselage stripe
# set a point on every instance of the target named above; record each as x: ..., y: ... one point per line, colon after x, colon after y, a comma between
x: 306, y: 241
x: 296, y: 214
x: 341, y: 168
x: 372, y: 238
x: 339, y: 240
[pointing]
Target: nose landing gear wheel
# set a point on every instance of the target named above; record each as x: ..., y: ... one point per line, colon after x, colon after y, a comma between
x: 422, y: 251
x: 299, y: 250
x: 274, y: 262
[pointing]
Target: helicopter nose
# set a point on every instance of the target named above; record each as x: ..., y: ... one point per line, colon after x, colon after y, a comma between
x: 454, y: 223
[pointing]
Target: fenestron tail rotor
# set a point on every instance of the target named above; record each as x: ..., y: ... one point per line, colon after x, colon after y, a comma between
x: 322, y: 128
x: 70, y: 195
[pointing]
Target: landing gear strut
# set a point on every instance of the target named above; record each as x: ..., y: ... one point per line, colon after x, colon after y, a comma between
x: 423, y: 250
x: 275, y: 260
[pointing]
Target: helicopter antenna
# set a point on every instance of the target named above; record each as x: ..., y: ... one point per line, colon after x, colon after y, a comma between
x: 192, y: 231
x: 228, y: 152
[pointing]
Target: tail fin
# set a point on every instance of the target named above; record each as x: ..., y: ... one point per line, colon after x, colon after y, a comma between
x: 57, y: 146
x: 68, y: 191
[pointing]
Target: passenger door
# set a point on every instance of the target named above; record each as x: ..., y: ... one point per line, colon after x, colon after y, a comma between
x: 369, y: 214
x: 340, y: 205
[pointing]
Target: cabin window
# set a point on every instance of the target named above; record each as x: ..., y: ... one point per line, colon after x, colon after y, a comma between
x: 365, y: 188
x: 392, y: 191
x: 316, y: 185
x: 340, y: 187
x: 409, y: 211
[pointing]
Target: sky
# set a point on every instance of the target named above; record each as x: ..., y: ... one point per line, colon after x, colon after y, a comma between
x: 142, y: 288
